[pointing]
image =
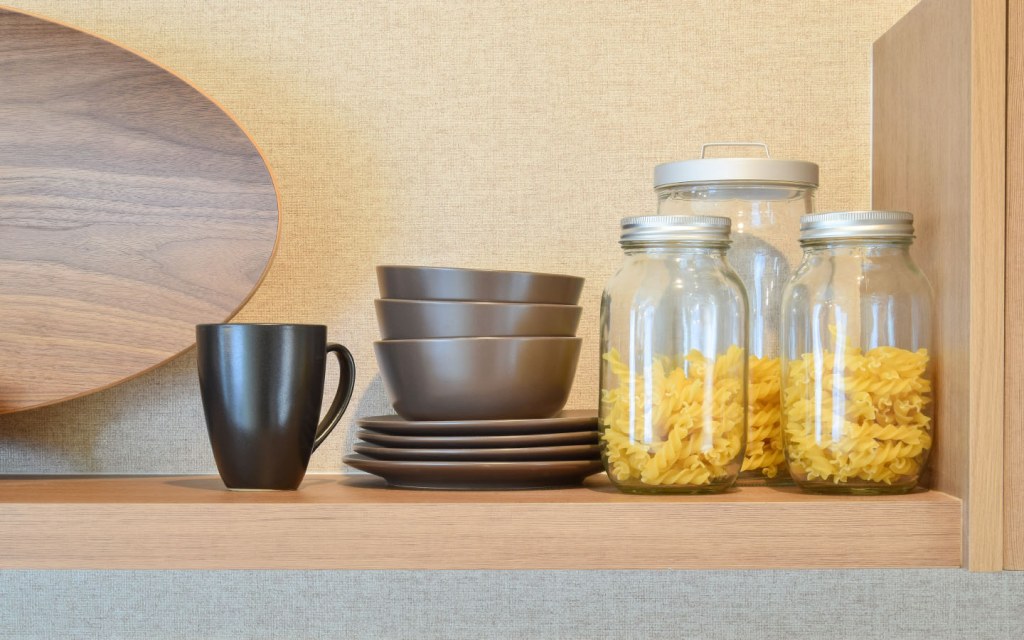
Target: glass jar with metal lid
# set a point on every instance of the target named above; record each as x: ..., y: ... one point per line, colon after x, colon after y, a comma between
x: 764, y: 198
x: 674, y: 365
x: 856, y: 361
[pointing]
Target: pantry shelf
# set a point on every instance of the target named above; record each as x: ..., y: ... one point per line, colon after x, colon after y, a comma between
x: 352, y: 522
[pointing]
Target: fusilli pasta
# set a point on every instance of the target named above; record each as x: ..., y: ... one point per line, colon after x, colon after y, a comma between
x: 683, y: 425
x: 764, y: 430
x: 853, y: 416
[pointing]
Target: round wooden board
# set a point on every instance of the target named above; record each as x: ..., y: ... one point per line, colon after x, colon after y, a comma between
x: 131, y: 209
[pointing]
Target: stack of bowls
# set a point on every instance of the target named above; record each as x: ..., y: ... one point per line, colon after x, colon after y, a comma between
x: 478, y: 365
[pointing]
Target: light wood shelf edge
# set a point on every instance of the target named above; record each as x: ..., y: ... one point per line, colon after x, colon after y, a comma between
x: 350, y: 522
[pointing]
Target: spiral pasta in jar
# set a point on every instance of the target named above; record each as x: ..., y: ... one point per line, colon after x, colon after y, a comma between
x: 764, y: 197
x: 673, y: 405
x: 857, y: 360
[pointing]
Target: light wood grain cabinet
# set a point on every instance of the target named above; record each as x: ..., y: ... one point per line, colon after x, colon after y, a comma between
x: 947, y: 146
x: 1013, y: 454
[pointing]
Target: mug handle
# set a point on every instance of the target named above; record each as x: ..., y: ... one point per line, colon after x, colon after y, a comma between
x: 346, y: 384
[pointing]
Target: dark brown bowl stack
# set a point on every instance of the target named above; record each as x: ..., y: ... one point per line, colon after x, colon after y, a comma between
x: 478, y: 366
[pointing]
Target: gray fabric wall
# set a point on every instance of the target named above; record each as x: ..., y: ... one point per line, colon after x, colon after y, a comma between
x: 702, y: 605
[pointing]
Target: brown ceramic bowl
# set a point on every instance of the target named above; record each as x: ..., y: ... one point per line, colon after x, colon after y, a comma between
x: 477, y: 285
x: 478, y: 378
x: 415, y: 319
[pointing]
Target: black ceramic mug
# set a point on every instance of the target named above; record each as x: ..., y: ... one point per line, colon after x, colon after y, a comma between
x: 262, y: 387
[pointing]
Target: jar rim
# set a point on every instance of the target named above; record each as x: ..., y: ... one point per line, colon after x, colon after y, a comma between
x: 857, y: 225
x: 710, y: 230
x: 674, y: 244
x: 894, y: 241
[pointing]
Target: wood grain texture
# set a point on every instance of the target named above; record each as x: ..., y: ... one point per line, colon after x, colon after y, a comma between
x: 939, y: 112
x: 131, y: 208
x: 988, y: 284
x: 1013, y: 470
x: 338, y: 522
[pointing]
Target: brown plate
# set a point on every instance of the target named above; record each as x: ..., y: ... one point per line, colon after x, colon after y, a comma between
x: 479, y: 442
x: 477, y: 476
x: 520, y: 454
x: 572, y: 420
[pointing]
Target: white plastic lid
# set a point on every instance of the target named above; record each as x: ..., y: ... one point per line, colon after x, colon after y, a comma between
x: 752, y: 170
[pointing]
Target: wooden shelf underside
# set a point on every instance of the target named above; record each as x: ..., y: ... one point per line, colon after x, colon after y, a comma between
x: 352, y: 522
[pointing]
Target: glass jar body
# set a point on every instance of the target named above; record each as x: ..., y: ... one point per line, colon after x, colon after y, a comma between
x: 673, y: 372
x: 765, y: 227
x: 857, y: 368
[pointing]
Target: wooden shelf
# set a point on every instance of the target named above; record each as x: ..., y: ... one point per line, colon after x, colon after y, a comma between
x: 352, y: 522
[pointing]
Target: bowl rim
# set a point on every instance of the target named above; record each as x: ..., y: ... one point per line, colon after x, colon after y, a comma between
x: 480, y: 303
x: 472, y: 270
x: 478, y: 339
x: 268, y: 325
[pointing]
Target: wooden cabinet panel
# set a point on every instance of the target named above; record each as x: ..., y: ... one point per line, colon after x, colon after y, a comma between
x: 1014, y: 440
x: 939, y: 135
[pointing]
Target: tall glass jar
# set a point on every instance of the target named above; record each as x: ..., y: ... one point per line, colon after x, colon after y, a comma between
x: 857, y: 365
x: 673, y: 366
x: 764, y: 198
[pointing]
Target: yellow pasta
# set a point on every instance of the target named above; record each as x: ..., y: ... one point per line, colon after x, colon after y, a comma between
x: 682, y: 425
x: 853, y: 416
x: 764, y: 430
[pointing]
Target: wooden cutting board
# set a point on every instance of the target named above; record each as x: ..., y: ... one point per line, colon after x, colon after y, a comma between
x: 131, y: 208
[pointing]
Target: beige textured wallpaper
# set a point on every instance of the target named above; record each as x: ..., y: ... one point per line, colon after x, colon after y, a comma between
x: 490, y: 134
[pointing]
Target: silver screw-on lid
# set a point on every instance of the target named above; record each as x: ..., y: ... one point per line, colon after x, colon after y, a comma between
x: 856, y: 225
x: 731, y: 170
x: 701, y: 229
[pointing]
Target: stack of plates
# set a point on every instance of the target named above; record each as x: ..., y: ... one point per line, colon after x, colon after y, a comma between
x: 480, y: 454
x: 478, y: 365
